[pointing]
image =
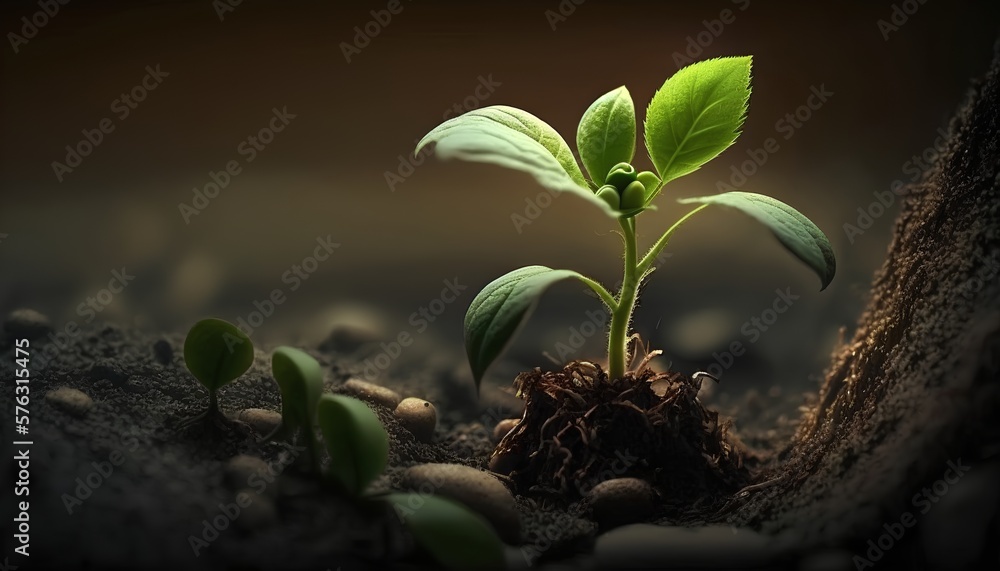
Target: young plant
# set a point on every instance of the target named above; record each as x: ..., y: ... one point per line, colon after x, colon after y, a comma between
x: 216, y: 352
x: 300, y: 379
x: 692, y: 118
x: 358, y: 444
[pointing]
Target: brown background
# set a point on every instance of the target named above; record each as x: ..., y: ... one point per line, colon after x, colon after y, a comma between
x: 325, y: 174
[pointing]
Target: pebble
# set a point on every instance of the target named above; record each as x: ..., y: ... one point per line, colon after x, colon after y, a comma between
x: 503, y: 427
x: 259, y: 513
x: 620, y: 501
x: 262, y: 421
x: 477, y: 490
x: 163, y: 352
x: 70, y: 400
x: 239, y: 468
x: 373, y: 393
x: 646, y: 546
x: 27, y: 324
x: 419, y: 417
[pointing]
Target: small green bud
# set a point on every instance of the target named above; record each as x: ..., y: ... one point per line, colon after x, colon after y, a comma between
x: 649, y: 180
x: 634, y: 196
x: 609, y: 194
x: 620, y: 176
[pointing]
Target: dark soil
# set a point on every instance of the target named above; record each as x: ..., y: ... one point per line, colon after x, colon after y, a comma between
x: 581, y: 428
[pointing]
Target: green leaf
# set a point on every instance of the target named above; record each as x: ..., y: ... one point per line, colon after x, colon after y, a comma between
x: 354, y: 437
x: 795, y: 232
x: 455, y: 536
x: 497, y: 313
x: 216, y: 352
x: 514, y: 139
x: 697, y: 114
x: 606, y: 134
x: 300, y: 379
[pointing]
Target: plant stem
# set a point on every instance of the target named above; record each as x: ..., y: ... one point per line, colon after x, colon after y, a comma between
x: 621, y: 313
x: 604, y: 294
x: 647, y: 260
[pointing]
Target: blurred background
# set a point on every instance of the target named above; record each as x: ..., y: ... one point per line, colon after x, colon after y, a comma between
x: 186, y: 85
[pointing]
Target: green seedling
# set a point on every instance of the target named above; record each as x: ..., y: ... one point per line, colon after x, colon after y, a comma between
x: 300, y: 379
x: 216, y: 352
x: 691, y: 119
x: 359, y: 451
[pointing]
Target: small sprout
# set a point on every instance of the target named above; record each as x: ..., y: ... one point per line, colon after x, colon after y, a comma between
x: 356, y: 440
x: 455, y: 536
x: 216, y: 352
x: 300, y: 379
x: 691, y: 119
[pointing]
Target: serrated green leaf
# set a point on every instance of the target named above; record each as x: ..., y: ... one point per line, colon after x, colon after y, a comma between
x: 606, y: 134
x: 697, y: 114
x: 300, y: 378
x: 454, y: 535
x: 216, y: 352
x: 796, y: 233
x: 514, y: 139
x: 356, y: 440
x: 498, y: 312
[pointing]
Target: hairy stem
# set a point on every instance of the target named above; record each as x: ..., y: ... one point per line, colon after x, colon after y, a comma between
x: 653, y: 252
x: 601, y: 292
x: 621, y: 314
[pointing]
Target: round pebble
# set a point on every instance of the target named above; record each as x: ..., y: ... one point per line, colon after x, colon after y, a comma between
x: 70, y: 400
x: 256, y: 511
x: 262, y: 421
x: 26, y: 324
x: 621, y: 500
x: 646, y: 546
x: 373, y: 393
x: 163, y: 352
x: 503, y: 427
x: 477, y: 490
x: 239, y: 469
x: 419, y: 417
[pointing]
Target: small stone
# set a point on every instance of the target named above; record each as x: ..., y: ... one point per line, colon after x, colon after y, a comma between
x: 240, y: 468
x: 477, y: 490
x: 503, y: 427
x: 256, y: 511
x: 621, y: 500
x: 373, y: 393
x: 26, y: 324
x: 646, y: 546
x: 70, y: 400
x: 419, y: 417
x: 163, y: 352
x: 262, y: 421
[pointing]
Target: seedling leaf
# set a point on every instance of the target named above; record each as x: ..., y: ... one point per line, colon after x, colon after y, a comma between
x: 515, y: 139
x: 498, y: 312
x: 697, y: 114
x: 216, y: 352
x: 606, y: 134
x: 300, y: 379
x: 454, y: 535
x: 795, y: 232
x: 354, y: 437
